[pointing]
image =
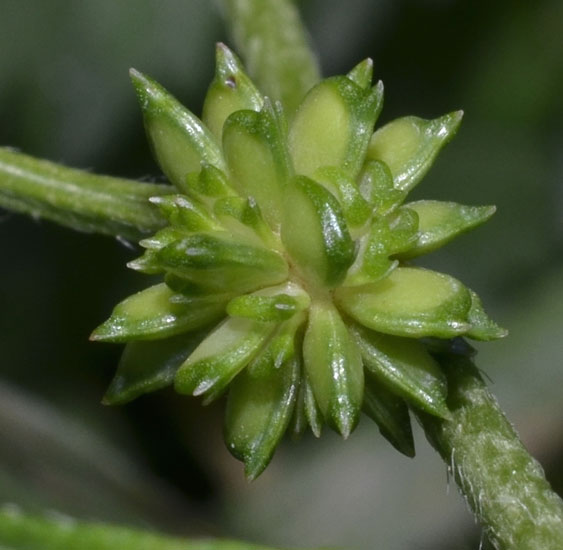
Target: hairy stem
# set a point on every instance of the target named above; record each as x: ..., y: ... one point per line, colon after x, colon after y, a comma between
x: 504, y: 486
x: 274, y: 44
x: 21, y: 532
x: 77, y: 199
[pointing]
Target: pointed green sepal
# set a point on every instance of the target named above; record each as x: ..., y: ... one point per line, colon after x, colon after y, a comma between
x: 315, y: 234
x: 409, y: 146
x: 334, y: 367
x: 145, y: 367
x: 270, y: 304
x: 162, y: 238
x: 231, y: 90
x: 440, y: 222
x: 410, y: 302
x: 313, y: 414
x: 254, y: 144
x: 482, y: 326
x: 259, y: 407
x: 150, y: 314
x: 208, y: 184
x: 220, y: 263
x: 390, y: 413
x: 179, y: 140
x: 356, y: 209
x: 376, y: 186
x: 243, y: 217
x: 405, y: 367
x: 333, y: 125
x: 221, y: 356
x: 386, y: 236
x: 184, y: 213
x: 362, y: 73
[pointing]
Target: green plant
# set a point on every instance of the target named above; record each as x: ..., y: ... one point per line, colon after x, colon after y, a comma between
x: 323, y: 259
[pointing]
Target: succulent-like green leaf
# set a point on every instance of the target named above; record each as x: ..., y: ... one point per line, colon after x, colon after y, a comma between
x: 362, y: 73
x: 333, y: 125
x: 149, y: 366
x: 440, y: 222
x: 231, y: 90
x: 482, y: 326
x: 150, y: 314
x: 182, y: 212
x: 207, y: 185
x: 179, y: 139
x: 270, y: 304
x: 221, y: 356
x: 410, y: 302
x: 313, y: 414
x: 243, y: 216
x: 409, y: 146
x: 390, y: 413
x: 387, y: 236
x: 315, y: 234
x: 259, y: 407
x: 356, y: 209
x: 376, y: 186
x: 255, y: 149
x: 405, y: 367
x: 334, y: 367
x: 221, y: 263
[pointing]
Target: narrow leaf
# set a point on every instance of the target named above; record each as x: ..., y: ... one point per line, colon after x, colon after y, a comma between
x: 482, y: 326
x: 315, y: 234
x: 259, y: 407
x: 150, y: 314
x: 410, y: 302
x: 390, y: 413
x: 409, y: 146
x: 334, y: 368
x: 333, y: 126
x: 179, y: 139
x: 145, y: 367
x: 255, y: 149
x: 362, y: 73
x: 231, y: 90
x: 219, y: 263
x: 440, y: 222
x: 221, y: 356
x: 405, y: 367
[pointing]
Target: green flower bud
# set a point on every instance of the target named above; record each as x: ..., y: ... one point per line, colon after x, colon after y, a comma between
x: 286, y: 285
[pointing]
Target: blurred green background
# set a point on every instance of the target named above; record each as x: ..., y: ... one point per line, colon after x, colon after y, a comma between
x: 160, y: 461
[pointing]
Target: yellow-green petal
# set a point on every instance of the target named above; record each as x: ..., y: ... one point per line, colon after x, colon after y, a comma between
x: 259, y: 407
x: 410, y: 302
x: 221, y: 356
x: 180, y: 141
x: 231, y: 90
x: 150, y: 314
x: 334, y: 367
x: 440, y: 222
x: 405, y: 367
x: 409, y: 146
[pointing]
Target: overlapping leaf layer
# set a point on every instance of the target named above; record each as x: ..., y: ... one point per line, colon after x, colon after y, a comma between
x: 287, y: 285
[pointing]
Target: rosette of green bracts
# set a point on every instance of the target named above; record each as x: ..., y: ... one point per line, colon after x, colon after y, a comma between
x: 287, y: 278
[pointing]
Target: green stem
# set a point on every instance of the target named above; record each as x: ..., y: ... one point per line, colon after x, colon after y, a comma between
x: 21, y: 532
x: 504, y: 486
x: 77, y: 199
x: 273, y: 41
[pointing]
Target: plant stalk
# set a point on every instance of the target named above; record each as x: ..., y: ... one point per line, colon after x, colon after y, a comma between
x: 78, y: 199
x: 504, y: 486
x: 22, y: 532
